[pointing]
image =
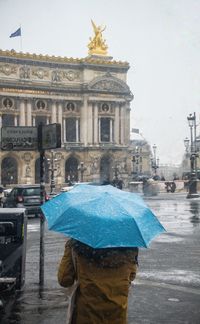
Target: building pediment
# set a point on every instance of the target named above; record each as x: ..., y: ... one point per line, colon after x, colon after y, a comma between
x: 109, y: 84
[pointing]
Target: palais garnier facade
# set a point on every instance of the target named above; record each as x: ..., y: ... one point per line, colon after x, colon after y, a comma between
x: 89, y: 97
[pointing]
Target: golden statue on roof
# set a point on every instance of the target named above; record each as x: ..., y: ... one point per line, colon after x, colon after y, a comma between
x: 97, y: 45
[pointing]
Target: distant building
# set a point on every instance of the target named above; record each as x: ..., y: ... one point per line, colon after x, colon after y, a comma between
x: 141, y: 154
x: 186, y: 164
x: 170, y: 171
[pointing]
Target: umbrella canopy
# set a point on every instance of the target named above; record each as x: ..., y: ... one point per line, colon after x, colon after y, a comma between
x: 102, y: 217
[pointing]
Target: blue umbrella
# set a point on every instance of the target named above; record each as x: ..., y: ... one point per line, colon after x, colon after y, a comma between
x: 102, y: 217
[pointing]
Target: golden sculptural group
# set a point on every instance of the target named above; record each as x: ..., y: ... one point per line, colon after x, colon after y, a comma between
x: 97, y: 45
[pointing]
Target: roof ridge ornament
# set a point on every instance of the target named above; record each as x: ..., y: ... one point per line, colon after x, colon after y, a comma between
x: 97, y: 45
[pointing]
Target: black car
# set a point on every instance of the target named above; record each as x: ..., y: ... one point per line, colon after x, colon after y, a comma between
x: 25, y: 196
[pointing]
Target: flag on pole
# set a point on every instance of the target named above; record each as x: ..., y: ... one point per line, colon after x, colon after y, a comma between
x: 16, y: 33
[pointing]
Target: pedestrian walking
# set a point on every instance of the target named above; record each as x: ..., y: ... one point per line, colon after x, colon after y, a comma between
x: 106, y: 226
x: 103, y: 276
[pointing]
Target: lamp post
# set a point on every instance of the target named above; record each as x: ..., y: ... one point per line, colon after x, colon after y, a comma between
x: 192, y: 193
x: 155, y: 162
x: 81, y: 168
x: 52, y: 168
x: 136, y: 161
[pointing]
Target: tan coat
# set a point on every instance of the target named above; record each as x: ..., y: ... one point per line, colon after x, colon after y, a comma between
x: 102, y: 297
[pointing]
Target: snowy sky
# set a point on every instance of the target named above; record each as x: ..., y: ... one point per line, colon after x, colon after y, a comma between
x: 159, y: 38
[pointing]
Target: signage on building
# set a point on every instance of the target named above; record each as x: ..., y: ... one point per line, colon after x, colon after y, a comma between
x: 19, y: 138
x: 49, y: 136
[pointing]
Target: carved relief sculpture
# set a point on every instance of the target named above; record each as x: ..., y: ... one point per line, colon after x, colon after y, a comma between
x: 7, y: 103
x: 71, y: 75
x: 24, y: 72
x: 28, y: 171
x: 40, y: 73
x: 8, y: 69
x: 56, y: 76
x: 108, y: 85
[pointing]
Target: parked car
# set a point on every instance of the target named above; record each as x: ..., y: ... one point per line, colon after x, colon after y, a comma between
x: 25, y: 196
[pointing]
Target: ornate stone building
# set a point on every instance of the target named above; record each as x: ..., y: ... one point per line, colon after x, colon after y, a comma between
x: 89, y: 97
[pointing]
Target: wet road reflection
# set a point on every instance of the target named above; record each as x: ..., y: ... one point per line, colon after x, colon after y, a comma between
x: 195, y: 211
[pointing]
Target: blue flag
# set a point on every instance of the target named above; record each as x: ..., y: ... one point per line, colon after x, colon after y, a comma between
x: 16, y: 33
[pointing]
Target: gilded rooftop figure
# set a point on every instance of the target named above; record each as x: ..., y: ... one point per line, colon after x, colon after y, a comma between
x: 97, y: 45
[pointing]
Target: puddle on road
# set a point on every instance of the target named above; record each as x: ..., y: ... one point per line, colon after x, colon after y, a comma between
x: 35, y: 307
x: 165, y: 238
x: 195, y: 211
x: 174, y: 299
x: 181, y: 277
x: 179, y: 217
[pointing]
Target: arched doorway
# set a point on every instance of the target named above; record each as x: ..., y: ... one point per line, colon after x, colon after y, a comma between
x: 9, y: 171
x: 37, y: 171
x: 71, y: 169
x: 105, y: 169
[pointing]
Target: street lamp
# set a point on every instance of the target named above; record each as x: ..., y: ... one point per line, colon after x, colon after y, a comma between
x: 52, y: 168
x: 81, y: 168
x: 192, y: 193
x: 136, y: 161
x: 155, y: 162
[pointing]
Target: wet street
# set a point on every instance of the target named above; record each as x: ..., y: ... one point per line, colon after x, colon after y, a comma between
x: 167, y: 288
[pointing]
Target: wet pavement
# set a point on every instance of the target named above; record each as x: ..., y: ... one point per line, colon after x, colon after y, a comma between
x: 167, y: 288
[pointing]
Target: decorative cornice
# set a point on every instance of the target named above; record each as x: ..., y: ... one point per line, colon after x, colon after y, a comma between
x: 58, y: 59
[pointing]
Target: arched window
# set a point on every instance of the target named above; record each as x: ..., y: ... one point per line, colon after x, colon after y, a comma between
x: 105, y: 169
x: 9, y: 171
x: 71, y: 170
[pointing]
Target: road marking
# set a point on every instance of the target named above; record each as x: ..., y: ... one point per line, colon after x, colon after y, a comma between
x: 195, y: 291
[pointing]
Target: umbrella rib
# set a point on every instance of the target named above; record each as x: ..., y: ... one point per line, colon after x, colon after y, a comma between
x: 133, y: 220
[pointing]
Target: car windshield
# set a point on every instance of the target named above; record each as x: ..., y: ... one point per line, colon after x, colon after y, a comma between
x: 31, y: 192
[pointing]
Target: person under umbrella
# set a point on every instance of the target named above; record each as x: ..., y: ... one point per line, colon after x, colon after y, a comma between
x: 106, y: 227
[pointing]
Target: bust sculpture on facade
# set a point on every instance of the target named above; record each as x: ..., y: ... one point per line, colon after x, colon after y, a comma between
x: 97, y: 45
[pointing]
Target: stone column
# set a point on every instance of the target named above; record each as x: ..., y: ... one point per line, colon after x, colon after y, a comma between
x: 127, y: 123
x: 77, y: 128
x: 64, y: 130
x: 84, y: 123
x: 90, y: 123
x: 29, y: 113
x: 111, y: 134
x: 96, y: 125
x: 122, y: 109
x: 99, y: 129
x: 22, y: 113
x: 0, y: 126
x: 53, y: 113
x: 33, y: 120
x: 60, y: 119
x: 116, y: 124
x: 15, y: 121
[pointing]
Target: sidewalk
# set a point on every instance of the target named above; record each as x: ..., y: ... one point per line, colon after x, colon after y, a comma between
x: 149, y: 303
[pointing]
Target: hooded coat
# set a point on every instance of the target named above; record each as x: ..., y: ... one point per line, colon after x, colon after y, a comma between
x: 104, y: 277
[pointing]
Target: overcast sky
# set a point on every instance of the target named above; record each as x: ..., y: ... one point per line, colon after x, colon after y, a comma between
x: 159, y: 38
